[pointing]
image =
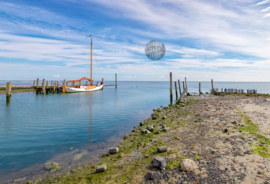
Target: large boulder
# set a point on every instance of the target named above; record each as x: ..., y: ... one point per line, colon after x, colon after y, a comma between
x: 101, y: 168
x: 188, y: 165
x: 159, y: 162
x: 113, y: 150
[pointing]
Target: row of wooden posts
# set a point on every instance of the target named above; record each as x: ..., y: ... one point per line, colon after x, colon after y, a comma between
x: 184, y: 88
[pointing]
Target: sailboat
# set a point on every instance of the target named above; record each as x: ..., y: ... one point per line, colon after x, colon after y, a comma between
x: 83, y: 87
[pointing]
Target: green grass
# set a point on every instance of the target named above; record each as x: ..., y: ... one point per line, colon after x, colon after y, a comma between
x: 53, y: 167
x: 197, y: 156
x: 262, y: 147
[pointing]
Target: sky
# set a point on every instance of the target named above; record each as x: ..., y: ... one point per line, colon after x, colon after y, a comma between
x: 224, y: 40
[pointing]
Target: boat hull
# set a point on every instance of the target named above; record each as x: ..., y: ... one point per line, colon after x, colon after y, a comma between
x: 78, y: 90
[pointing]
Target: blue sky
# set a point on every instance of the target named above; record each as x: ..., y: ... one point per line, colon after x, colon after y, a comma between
x: 205, y: 39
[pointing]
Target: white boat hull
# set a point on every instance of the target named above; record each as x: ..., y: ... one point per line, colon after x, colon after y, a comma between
x: 82, y: 89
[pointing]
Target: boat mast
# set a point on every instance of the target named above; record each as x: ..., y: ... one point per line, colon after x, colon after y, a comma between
x: 91, y: 60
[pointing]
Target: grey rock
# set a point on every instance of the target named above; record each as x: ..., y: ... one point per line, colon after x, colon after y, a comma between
x: 152, y: 175
x: 162, y: 149
x: 146, y: 131
x: 159, y: 162
x: 234, y: 123
x: 151, y: 128
x: 155, y: 109
x: 154, y: 117
x: 164, y: 117
x: 101, y: 168
x: 113, y: 150
x: 188, y: 165
x: 180, y: 181
x: 163, y: 126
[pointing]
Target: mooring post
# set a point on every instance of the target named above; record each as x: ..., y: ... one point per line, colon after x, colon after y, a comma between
x: 116, y: 80
x: 186, y: 82
x: 51, y: 83
x: 176, y: 94
x: 47, y: 83
x: 34, y: 84
x: 171, y: 95
x: 86, y: 83
x: 43, y: 86
x: 64, y: 82
x: 179, y: 87
x: 212, y: 86
x: 80, y: 83
x: 37, y: 82
x: 54, y: 87
x: 8, y: 92
x: 103, y: 80
x: 199, y: 88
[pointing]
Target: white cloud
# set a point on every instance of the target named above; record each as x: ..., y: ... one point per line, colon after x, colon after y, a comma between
x: 161, y: 76
x: 57, y: 76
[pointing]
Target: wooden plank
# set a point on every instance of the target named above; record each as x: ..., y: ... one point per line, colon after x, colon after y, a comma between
x: 182, y: 96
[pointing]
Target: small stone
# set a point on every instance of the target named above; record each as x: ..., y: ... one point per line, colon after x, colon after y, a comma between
x: 152, y: 176
x: 155, y: 109
x: 164, y: 117
x: 146, y: 131
x: 259, y: 172
x: 197, y: 114
x: 113, y: 150
x: 141, y: 123
x: 72, y: 171
x: 225, y: 130
x: 162, y: 149
x: 188, y: 165
x: 234, y: 123
x: 154, y: 117
x: 163, y: 126
x: 180, y: 181
x: 159, y: 162
x: 125, y: 137
x: 101, y: 168
x: 151, y: 128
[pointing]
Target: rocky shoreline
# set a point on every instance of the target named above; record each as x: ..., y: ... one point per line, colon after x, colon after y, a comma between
x: 205, y: 139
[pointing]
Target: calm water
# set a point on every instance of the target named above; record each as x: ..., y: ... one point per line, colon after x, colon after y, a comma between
x: 35, y: 127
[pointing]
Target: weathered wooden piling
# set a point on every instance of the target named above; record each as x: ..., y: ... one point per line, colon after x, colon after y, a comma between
x: 8, y: 92
x: 54, y: 87
x: 176, y: 94
x: 212, y: 84
x: 34, y: 84
x: 43, y: 86
x: 86, y: 83
x: 116, y: 80
x: 183, y: 85
x: 51, y: 83
x: 47, y: 83
x: 37, y: 82
x: 64, y: 82
x: 179, y: 87
x: 186, y: 82
x: 199, y: 88
x: 171, y: 94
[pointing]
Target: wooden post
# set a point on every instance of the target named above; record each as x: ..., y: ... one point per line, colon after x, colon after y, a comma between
x: 183, y: 85
x: 186, y: 82
x: 34, y: 83
x: 51, y: 83
x: 176, y: 94
x: 80, y: 83
x: 8, y: 92
x: 179, y: 87
x: 199, y: 88
x: 43, y: 86
x: 37, y: 82
x: 116, y: 80
x: 171, y: 94
x: 47, y: 83
x: 64, y: 82
x: 212, y: 86
x: 54, y: 87
x: 86, y: 83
